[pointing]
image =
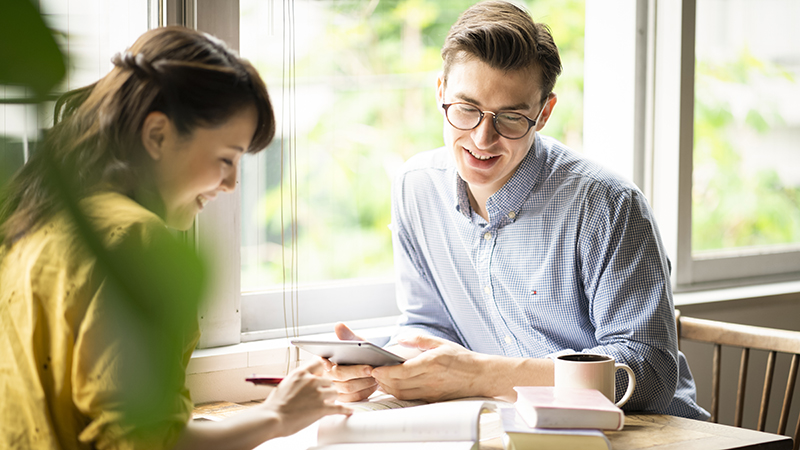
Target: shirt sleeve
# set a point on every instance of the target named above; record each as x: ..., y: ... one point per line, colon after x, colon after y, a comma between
x: 128, y: 370
x: 625, y: 275
x: 418, y: 298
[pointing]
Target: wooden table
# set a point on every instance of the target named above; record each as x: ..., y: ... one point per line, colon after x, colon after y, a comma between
x: 660, y: 432
x: 641, y: 432
x: 657, y: 431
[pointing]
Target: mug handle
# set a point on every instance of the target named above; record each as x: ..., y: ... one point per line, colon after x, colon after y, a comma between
x: 631, y: 383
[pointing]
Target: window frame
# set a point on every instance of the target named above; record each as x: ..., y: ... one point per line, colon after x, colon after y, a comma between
x: 219, y: 314
x: 660, y: 105
x: 363, y: 302
x: 673, y: 26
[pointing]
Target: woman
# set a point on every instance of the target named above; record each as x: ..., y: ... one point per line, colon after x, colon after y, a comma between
x: 91, y: 355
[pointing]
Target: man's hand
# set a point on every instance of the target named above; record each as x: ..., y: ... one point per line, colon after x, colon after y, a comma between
x: 353, y: 383
x: 435, y: 370
x: 444, y: 370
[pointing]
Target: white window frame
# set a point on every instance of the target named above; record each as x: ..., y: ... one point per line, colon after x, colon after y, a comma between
x: 659, y: 140
x: 220, y: 314
x: 671, y: 150
x: 641, y: 123
x: 652, y: 104
x: 269, y: 314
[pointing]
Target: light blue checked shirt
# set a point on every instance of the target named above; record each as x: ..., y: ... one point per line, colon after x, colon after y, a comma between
x: 570, y: 260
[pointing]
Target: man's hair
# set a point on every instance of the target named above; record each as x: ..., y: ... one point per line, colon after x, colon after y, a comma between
x: 505, y: 37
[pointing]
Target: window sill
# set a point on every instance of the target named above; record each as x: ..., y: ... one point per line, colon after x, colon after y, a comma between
x: 787, y: 290
x: 216, y: 374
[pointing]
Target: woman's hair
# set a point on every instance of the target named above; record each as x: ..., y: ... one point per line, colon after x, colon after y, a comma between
x: 95, y: 141
x: 505, y: 37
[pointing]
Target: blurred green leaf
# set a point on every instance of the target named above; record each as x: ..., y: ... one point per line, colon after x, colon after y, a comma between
x: 29, y: 55
x: 154, y: 294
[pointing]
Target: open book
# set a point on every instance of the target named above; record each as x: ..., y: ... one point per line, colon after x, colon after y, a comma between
x: 379, y: 401
x: 454, y: 425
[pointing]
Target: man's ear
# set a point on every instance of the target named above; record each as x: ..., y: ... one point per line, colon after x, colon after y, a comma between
x: 550, y: 104
x: 440, y: 90
x: 155, y: 131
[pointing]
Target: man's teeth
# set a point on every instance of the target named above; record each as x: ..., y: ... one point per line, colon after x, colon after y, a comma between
x: 202, y: 200
x: 482, y: 158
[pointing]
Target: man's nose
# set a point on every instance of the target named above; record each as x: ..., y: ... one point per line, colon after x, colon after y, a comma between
x: 485, y: 134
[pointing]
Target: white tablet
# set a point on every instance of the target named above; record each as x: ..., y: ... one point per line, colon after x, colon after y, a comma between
x: 350, y: 352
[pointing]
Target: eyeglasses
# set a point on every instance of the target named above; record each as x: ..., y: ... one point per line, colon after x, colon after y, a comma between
x: 510, y: 125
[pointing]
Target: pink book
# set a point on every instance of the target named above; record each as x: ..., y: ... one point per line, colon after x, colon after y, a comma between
x: 547, y: 407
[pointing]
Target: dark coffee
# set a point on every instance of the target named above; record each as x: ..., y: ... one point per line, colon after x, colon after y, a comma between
x: 585, y: 357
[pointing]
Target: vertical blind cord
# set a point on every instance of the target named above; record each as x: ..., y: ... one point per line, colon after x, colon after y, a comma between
x: 283, y: 221
x: 294, y: 171
x: 289, y: 156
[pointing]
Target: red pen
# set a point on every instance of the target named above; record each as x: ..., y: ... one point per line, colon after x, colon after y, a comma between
x: 268, y: 381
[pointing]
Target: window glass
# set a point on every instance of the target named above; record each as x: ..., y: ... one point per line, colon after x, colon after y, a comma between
x: 746, y: 192
x: 353, y: 84
x: 88, y: 33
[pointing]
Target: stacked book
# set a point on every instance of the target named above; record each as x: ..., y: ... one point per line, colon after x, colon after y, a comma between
x: 544, y: 418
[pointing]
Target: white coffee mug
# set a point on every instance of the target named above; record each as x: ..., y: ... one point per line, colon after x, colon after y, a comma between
x: 592, y: 371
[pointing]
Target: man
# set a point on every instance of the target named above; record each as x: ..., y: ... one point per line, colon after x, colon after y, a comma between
x: 511, y: 249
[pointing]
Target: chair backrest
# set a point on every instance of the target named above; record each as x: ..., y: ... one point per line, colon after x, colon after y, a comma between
x: 747, y: 337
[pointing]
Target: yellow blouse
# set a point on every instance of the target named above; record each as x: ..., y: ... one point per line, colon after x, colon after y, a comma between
x: 64, y: 344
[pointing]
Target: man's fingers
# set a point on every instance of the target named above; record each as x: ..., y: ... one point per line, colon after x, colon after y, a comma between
x: 406, y: 394
x: 421, y: 342
x: 358, y: 395
x: 355, y: 385
x: 409, y: 372
x: 344, y: 333
x: 343, y: 373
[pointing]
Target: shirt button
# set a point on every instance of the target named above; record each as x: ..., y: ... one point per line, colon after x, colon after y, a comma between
x: 508, y: 339
x: 487, y: 236
x: 487, y: 289
x: 512, y: 214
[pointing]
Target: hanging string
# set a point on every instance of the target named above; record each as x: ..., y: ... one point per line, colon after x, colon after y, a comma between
x: 283, y: 153
x: 289, y: 179
x: 295, y: 191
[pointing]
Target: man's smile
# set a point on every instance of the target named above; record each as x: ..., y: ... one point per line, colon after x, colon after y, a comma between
x: 479, y: 157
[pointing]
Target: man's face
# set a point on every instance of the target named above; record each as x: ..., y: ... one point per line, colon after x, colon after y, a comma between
x: 484, y: 159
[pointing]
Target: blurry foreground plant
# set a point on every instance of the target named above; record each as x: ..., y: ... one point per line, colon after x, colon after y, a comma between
x: 156, y: 291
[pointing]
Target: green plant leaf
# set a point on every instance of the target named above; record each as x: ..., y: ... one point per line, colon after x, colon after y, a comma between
x: 29, y: 55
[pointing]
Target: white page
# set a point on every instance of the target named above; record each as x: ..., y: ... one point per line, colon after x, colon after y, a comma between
x: 303, y: 439
x: 380, y: 401
x: 449, y: 421
x: 453, y: 445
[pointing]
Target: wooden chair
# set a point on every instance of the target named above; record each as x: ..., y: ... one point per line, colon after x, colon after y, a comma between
x: 747, y: 337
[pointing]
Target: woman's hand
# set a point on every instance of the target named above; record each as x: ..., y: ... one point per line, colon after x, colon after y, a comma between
x: 353, y: 383
x: 302, y: 398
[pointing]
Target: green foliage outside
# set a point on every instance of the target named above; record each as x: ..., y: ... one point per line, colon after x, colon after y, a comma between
x: 365, y: 93
x: 734, y: 205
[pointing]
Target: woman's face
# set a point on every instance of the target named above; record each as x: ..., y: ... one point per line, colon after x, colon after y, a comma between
x: 191, y: 170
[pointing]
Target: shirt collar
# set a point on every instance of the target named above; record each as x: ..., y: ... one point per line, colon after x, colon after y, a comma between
x: 505, y: 204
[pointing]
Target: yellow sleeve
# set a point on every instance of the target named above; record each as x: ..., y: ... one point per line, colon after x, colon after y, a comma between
x: 129, y: 360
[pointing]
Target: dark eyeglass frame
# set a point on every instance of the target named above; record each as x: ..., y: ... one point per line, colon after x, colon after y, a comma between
x: 531, y: 122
